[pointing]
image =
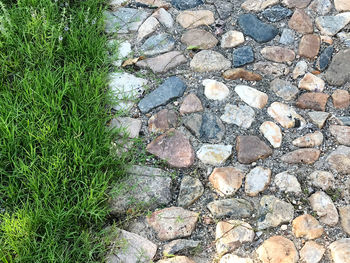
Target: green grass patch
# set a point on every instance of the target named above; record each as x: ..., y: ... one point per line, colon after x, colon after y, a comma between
x: 55, y: 162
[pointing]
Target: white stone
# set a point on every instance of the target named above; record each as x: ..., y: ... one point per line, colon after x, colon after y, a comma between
x: 164, y: 17
x: 215, y: 90
x: 285, y: 115
x: 272, y: 132
x: 124, y: 50
x: 312, y: 252
x: 323, y: 205
x: 251, y: 96
x: 257, y: 180
x: 287, y: 182
x: 322, y: 179
x: 242, y: 115
x: 148, y: 27
x: 214, y: 154
x: 340, y: 250
x: 322, y: 7
x: 311, y: 82
x: 258, y: 5
x: 300, y: 69
x: 232, y: 39
x: 231, y: 258
x: 130, y: 126
x: 309, y: 140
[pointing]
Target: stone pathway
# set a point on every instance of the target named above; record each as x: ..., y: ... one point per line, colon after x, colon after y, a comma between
x: 247, y: 105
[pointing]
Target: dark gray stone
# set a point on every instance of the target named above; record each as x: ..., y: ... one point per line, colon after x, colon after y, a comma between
x: 252, y: 26
x: 171, y: 88
x: 180, y: 246
x: 235, y: 208
x: 224, y: 8
x: 186, y: 4
x: 338, y: 72
x: 325, y: 58
x: 276, y: 13
x: 242, y: 56
x: 190, y: 190
x: 158, y: 44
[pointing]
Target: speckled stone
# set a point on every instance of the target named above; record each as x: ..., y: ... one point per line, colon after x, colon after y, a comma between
x: 276, y: 13
x: 325, y: 58
x: 242, y: 56
x: 186, y: 4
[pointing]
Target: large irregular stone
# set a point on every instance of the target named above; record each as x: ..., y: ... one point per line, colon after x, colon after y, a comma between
x: 251, y: 148
x: 147, y: 28
x: 339, y: 160
x: 274, y: 212
x: 171, y: 88
x: 215, y: 90
x: 180, y: 246
x: 300, y: 69
x: 276, y: 13
x: 237, y: 208
x: 318, y: 118
x: 341, y: 133
x: 287, y: 182
x: 164, y: 17
x: 190, y: 190
x: 199, y: 38
x: 301, y: 22
x: 158, y: 44
x: 231, y: 234
x: 162, y: 121
x: 272, y: 133
x: 321, y: 7
x: 240, y: 73
x: 242, y: 56
x: 130, y: 248
x: 309, y: 46
x: 277, y: 249
x: 164, y: 62
x: 252, y: 26
x: 331, y: 25
x: 207, y: 60
x: 344, y: 213
x: 325, y: 58
x: 232, y: 39
x: 271, y: 68
x: 229, y: 258
x: 341, y: 99
x: 258, y: 5
x: 257, y: 180
x: 128, y: 126
x: 309, y: 140
x: 307, y: 226
x: 322, y: 179
x: 251, y: 96
x: 313, y: 100
x: 193, y: 19
x: 242, y: 115
x: 285, y: 115
x: 174, y: 148
x: 190, y: 104
x: 278, y: 54
x: 173, y: 222
x: 305, y: 156
x: 338, y: 72
x: 311, y: 82
x: 186, y: 4
x: 146, y: 187
x: 296, y: 3
x: 226, y: 180
x: 312, y: 252
x: 342, y: 5
x: 214, y: 154
x: 323, y: 205
x: 340, y: 250
x: 284, y: 89
x: 177, y: 259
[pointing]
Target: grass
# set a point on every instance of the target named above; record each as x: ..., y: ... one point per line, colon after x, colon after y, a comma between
x: 55, y: 162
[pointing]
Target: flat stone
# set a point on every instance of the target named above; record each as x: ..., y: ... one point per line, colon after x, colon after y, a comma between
x: 305, y: 156
x: 341, y: 99
x: 340, y: 250
x: 207, y: 60
x: 258, y: 5
x: 284, y: 89
x: 164, y: 62
x: 231, y: 39
x: 242, y: 56
x: 223, y: 8
x: 252, y: 26
x: 215, y: 90
x: 338, y: 72
x: 307, y: 226
x: 162, y: 121
x: 164, y: 17
x: 174, y: 148
x: 287, y: 182
x: 214, y: 154
x: 146, y: 188
x: 322, y: 179
x: 331, y: 25
x: 311, y: 82
x: 190, y: 190
x: 339, y: 159
x: 177, y: 259
x: 131, y: 247
x: 318, y: 118
x: 276, y: 13
x: 242, y: 115
x: 300, y: 69
x: 309, y: 140
x: 271, y: 69
x: 301, y: 22
x: 272, y: 133
x: 118, y: 51
x: 323, y: 205
x: 171, y: 88
x: 125, y: 87
x: 228, y: 258
x: 199, y: 38
x: 147, y: 28
x: 257, y: 180
x: 240, y: 73
x: 173, y: 222
x: 186, y: 4
x: 226, y: 180
x: 341, y: 133
x: 251, y: 96
x: 158, y: 44
x: 287, y: 37
x: 251, y: 148
x: 190, y: 104
x: 342, y: 5
x: 153, y: 3
x: 309, y: 46
x: 129, y: 126
x: 344, y: 213
x: 277, y: 249
x: 231, y: 234
x: 285, y: 115
x: 274, y: 212
x: 296, y: 3
x: 180, y: 246
x: 237, y: 208
x: 278, y: 54
x: 313, y: 100
x: 193, y: 19
x: 325, y: 58
x: 311, y: 252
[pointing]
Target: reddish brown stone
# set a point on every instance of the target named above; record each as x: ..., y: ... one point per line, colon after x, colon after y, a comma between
x: 301, y: 22
x: 313, y: 101
x: 240, y: 73
x: 251, y: 148
x: 341, y: 133
x: 174, y: 148
x: 306, y: 156
x: 191, y: 104
x: 162, y: 121
x: 341, y: 99
x: 309, y: 46
x: 278, y: 54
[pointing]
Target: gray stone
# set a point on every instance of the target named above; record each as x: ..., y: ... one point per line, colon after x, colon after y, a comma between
x: 207, y: 60
x: 118, y: 51
x: 171, y: 88
x: 287, y: 182
x: 284, y: 89
x: 321, y: 7
x: 331, y: 25
x: 129, y: 126
x: 276, y: 13
x: 235, y: 208
x: 345, y: 120
x: 242, y: 56
x: 318, y: 117
x: 325, y: 58
x: 224, y: 8
x: 158, y: 44
x: 164, y: 17
x: 257, y: 180
x: 180, y: 246
x: 338, y: 72
x: 214, y: 154
x: 186, y: 4
x: 345, y: 38
x: 323, y: 205
x: 271, y: 68
x: 190, y: 190
x: 339, y: 159
x: 252, y: 26
x: 287, y: 36
x: 242, y: 115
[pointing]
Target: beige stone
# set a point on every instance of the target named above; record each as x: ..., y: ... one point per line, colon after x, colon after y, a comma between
x: 226, y: 180
x: 154, y: 3
x: 258, y: 5
x: 301, y: 22
x: 193, y: 19
x: 147, y: 28
x: 340, y: 250
x: 305, y: 156
x: 191, y: 104
x: 229, y: 258
x: 322, y: 179
x: 251, y: 96
x: 278, y: 249
x: 307, y: 226
x: 177, y: 259
x: 296, y: 3
x: 272, y: 132
x: 311, y: 252
x: 342, y: 5
x: 278, y: 54
x: 199, y: 38
x: 323, y: 205
x: 208, y: 60
x: 341, y: 133
x: 232, y: 39
x: 285, y: 115
x: 341, y: 99
x: 163, y: 62
x: 215, y: 90
x: 309, y: 140
x: 311, y: 82
x: 344, y: 213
